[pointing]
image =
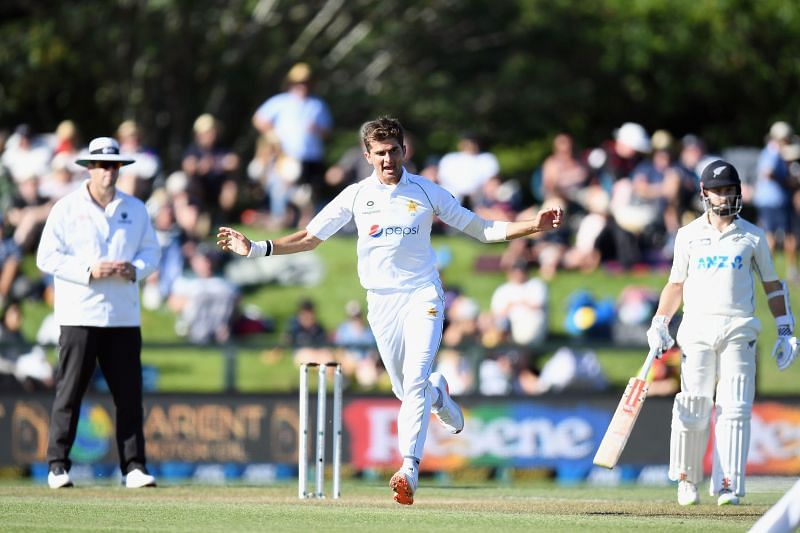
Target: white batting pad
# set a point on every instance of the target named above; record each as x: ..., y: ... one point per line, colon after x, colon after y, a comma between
x: 689, y: 436
x: 732, y: 434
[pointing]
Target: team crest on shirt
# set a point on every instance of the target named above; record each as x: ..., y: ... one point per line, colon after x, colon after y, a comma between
x: 412, y: 207
x: 432, y: 312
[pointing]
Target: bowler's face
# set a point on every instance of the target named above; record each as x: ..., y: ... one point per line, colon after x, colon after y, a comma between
x: 386, y: 157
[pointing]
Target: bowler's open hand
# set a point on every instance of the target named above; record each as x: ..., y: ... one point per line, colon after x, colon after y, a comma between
x: 549, y: 218
x: 231, y: 240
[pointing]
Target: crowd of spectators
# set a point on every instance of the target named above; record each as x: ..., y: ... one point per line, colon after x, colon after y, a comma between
x: 624, y: 201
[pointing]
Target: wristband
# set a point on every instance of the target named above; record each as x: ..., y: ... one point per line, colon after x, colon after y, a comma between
x: 260, y: 249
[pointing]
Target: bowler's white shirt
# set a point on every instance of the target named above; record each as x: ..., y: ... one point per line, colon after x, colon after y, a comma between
x: 717, y: 268
x: 394, y: 228
x: 79, y: 233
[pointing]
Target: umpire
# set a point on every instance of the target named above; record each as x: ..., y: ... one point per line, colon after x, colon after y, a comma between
x: 97, y: 243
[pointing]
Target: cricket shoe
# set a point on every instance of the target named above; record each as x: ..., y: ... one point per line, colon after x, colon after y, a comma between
x: 404, y: 488
x: 727, y: 497
x: 58, y: 478
x: 137, y: 479
x: 687, y: 493
x: 449, y: 414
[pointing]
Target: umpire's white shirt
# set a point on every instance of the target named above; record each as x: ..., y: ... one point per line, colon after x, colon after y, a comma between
x: 79, y: 233
x: 394, y: 228
x: 717, y: 268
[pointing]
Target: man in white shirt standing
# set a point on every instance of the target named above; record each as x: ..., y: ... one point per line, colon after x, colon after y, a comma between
x: 716, y: 259
x: 393, y: 211
x: 97, y: 243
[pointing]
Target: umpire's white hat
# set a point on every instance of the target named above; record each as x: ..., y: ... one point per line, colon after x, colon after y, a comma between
x: 103, y: 149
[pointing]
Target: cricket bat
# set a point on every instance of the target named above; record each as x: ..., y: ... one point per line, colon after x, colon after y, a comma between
x: 624, y: 417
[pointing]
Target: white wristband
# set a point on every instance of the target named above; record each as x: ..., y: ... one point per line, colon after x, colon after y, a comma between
x: 260, y: 249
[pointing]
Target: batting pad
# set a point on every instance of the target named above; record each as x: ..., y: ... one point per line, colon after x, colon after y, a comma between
x: 732, y: 434
x: 689, y: 436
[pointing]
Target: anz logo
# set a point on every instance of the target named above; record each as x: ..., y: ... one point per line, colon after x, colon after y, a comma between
x: 376, y: 231
x: 720, y: 262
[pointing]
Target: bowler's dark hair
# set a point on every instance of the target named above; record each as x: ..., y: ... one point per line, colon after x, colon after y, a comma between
x: 382, y: 129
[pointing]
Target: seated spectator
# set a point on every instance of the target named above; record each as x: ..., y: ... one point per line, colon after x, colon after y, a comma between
x: 307, y: 336
x: 28, y: 213
x: 211, y: 169
x: 462, y: 322
x: 204, y: 300
x: 572, y: 370
x: 21, y: 365
x: 64, y: 177
x: 138, y: 178
x: 171, y: 239
x: 520, y: 305
x: 506, y: 371
x: 591, y: 244
x: 499, y: 200
x: 464, y: 172
x: 358, y: 355
x: 25, y: 154
x: 276, y: 175
x: 10, y: 263
x: 457, y: 370
x: 543, y: 249
x: 563, y: 173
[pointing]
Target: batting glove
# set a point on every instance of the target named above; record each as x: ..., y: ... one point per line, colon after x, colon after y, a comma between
x: 658, y: 337
x: 786, y: 348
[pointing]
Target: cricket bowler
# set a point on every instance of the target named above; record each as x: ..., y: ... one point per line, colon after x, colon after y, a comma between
x: 393, y: 211
x: 713, y: 271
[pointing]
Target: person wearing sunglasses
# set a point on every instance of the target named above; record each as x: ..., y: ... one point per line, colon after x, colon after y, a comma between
x: 98, y: 242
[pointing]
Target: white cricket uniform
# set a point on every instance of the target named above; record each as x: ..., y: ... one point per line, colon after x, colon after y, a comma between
x: 719, y: 330
x: 397, y: 266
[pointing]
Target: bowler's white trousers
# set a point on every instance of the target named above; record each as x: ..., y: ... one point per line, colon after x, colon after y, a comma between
x: 407, y: 325
x: 719, y: 362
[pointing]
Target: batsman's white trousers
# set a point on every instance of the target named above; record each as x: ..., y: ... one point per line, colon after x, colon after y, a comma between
x: 408, y: 329
x: 719, y: 362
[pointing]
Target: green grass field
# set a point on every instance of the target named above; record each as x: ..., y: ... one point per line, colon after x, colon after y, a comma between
x: 367, y: 506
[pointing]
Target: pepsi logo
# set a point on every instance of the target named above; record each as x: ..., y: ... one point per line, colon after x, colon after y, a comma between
x: 375, y: 231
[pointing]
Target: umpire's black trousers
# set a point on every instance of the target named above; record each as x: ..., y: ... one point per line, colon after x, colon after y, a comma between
x: 118, y: 350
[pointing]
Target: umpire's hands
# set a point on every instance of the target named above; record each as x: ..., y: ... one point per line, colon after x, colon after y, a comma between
x: 658, y: 337
x: 231, y: 240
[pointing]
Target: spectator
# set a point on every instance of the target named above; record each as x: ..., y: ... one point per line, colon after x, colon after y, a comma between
x: 276, y: 175
x: 464, y: 172
x: 358, y: 355
x: 592, y: 244
x: 307, y: 336
x: 204, y: 300
x: 563, y: 174
x: 462, y: 322
x: 62, y: 179
x: 25, y: 155
x: 137, y: 179
x: 302, y: 122
x: 28, y: 213
x: 211, y: 170
x: 171, y: 240
x: 520, y: 305
x: 772, y: 196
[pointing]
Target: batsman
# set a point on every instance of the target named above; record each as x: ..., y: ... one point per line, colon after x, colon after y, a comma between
x: 715, y: 261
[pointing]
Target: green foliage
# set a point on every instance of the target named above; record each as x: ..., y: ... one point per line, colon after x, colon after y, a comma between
x: 516, y: 71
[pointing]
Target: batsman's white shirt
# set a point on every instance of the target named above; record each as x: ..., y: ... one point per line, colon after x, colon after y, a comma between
x: 397, y: 266
x: 79, y: 233
x: 718, y: 268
